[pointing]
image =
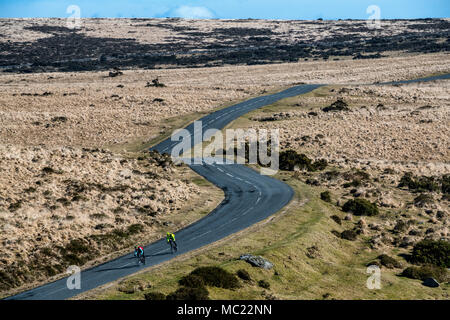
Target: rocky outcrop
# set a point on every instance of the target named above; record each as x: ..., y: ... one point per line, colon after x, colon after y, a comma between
x: 257, y: 261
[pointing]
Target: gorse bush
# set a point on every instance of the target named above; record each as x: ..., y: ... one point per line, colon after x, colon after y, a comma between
x: 192, y: 281
x: 135, y: 228
x: 264, y: 284
x: 243, y: 274
x: 360, y: 207
x: 336, y: 219
x: 354, y: 183
x: 319, y: 165
x: 421, y: 273
x: 389, y: 262
x: 290, y: 160
x: 326, y: 196
x: 154, y: 296
x: 217, y: 277
x: 432, y: 252
x: 416, y: 184
x: 338, y: 105
x: 349, y: 235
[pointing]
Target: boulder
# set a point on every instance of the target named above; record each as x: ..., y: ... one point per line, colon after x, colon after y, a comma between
x: 257, y: 261
x: 430, y: 282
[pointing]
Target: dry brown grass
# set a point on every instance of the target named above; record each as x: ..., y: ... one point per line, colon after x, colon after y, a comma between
x: 51, y: 196
x: 101, y: 114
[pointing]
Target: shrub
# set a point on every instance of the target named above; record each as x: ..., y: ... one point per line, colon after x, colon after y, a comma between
x: 243, y: 274
x: 401, y: 226
x: 338, y: 105
x: 349, y: 235
x: 63, y: 201
x: 357, y: 174
x: 423, y: 199
x: 360, y: 207
x: 318, y: 165
x: 118, y: 210
x: 192, y: 281
x: 389, y: 262
x: 185, y: 293
x: 77, y: 246
x: 290, y: 159
x: 354, y: 183
x: 422, y: 183
x: 15, y: 206
x: 432, y: 252
x: 217, y: 277
x: 424, y: 272
x: 264, y: 284
x: 98, y: 216
x: 336, y: 219
x: 326, y: 196
x: 331, y: 175
x: 79, y: 197
x: 48, y: 170
x: 154, y: 296
x: 135, y: 228
x: 445, y: 188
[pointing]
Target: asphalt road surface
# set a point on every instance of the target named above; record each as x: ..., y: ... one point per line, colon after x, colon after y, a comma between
x: 249, y: 198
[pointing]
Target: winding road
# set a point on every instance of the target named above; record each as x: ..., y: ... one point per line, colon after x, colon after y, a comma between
x: 249, y: 198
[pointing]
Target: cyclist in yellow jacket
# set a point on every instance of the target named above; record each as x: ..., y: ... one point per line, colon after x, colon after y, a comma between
x: 171, y: 240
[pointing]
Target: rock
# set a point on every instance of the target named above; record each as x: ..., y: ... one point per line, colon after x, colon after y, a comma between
x: 430, y: 282
x: 312, y: 252
x: 362, y: 223
x: 257, y: 261
x: 126, y: 173
x: 376, y: 241
x: 348, y: 217
x: 115, y: 73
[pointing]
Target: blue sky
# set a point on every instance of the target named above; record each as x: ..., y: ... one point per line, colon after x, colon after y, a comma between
x: 228, y: 9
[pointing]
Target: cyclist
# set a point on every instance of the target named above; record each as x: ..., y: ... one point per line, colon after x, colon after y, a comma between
x: 138, y: 251
x: 171, y: 240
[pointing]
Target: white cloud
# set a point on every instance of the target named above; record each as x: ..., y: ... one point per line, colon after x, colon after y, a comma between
x: 188, y: 12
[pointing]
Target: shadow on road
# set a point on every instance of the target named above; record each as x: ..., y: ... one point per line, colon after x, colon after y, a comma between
x: 159, y: 254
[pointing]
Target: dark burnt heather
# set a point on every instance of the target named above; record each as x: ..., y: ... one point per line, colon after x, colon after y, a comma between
x: 189, y: 46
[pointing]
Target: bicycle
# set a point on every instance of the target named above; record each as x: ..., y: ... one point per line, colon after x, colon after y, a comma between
x: 140, y: 258
x: 173, y: 246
